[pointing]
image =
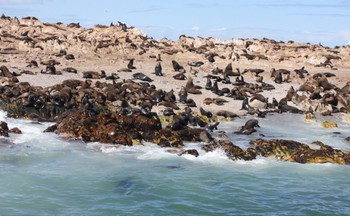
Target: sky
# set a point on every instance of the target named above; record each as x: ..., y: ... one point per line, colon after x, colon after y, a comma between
x: 314, y: 21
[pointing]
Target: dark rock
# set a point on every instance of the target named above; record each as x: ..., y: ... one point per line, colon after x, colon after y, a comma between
x: 51, y: 129
x: 104, y: 127
x: 15, y: 130
x: 4, y: 130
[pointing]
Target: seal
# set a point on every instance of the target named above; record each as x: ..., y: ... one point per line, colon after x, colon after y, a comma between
x: 226, y: 114
x: 205, y: 113
x: 180, y: 76
x: 249, y: 127
x: 191, y: 103
x: 158, y: 69
x: 177, y: 66
x: 208, y: 85
x: 245, y: 104
x: 141, y: 76
x: 258, y: 101
x: 284, y: 107
x: 70, y: 70
x: 50, y: 69
x: 5, y: 72
x: 131, y: 64
x: 196, y: 63
x: 113, y: 76
x: 92, y: 74
x: 183, y: 95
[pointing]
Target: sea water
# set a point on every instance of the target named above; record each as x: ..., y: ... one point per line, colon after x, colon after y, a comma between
x: 44, y: 174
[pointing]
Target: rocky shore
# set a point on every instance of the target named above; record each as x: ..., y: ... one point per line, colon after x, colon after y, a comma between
x: 113, y: 84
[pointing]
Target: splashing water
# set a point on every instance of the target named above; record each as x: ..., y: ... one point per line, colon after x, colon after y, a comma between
x: 43, y: 174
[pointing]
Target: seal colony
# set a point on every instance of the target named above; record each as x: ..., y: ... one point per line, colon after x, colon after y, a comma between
x: 113, y: 84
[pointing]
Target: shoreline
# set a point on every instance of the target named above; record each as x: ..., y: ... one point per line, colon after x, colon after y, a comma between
x: 36, y: 84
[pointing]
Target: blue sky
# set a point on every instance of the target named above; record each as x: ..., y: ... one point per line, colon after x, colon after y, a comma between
x: 314, y: 21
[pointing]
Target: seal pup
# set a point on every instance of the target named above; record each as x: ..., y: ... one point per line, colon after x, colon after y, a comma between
x: 158, y: 69
x: 249, y: 127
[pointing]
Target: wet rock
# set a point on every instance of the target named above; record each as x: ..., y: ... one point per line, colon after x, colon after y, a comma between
x: 15, y: 130
x: 163, y: 138
x: 4, y: 130
x: 329, y: 124
x: 288, y: 150
x: 50, y: 129
x: 232, y: 151
x: 106, y: 127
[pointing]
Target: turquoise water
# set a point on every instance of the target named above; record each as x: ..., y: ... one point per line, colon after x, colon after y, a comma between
x: 42, y: 174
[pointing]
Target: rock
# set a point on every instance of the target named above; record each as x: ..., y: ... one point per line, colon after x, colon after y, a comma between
x: 310, y: 117
x: 51, y: 129
x: 329, y: 124
x: 288, y: 150
x: 15, y: 130
x: 163, y: 138
x: 4, y: 130
x: 232, y: 151
x: 106, y: 127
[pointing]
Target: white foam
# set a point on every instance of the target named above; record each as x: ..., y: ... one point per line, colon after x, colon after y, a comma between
x: 3, y: 115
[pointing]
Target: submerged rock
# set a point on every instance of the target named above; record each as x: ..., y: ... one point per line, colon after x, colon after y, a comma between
x: 329, y: 124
